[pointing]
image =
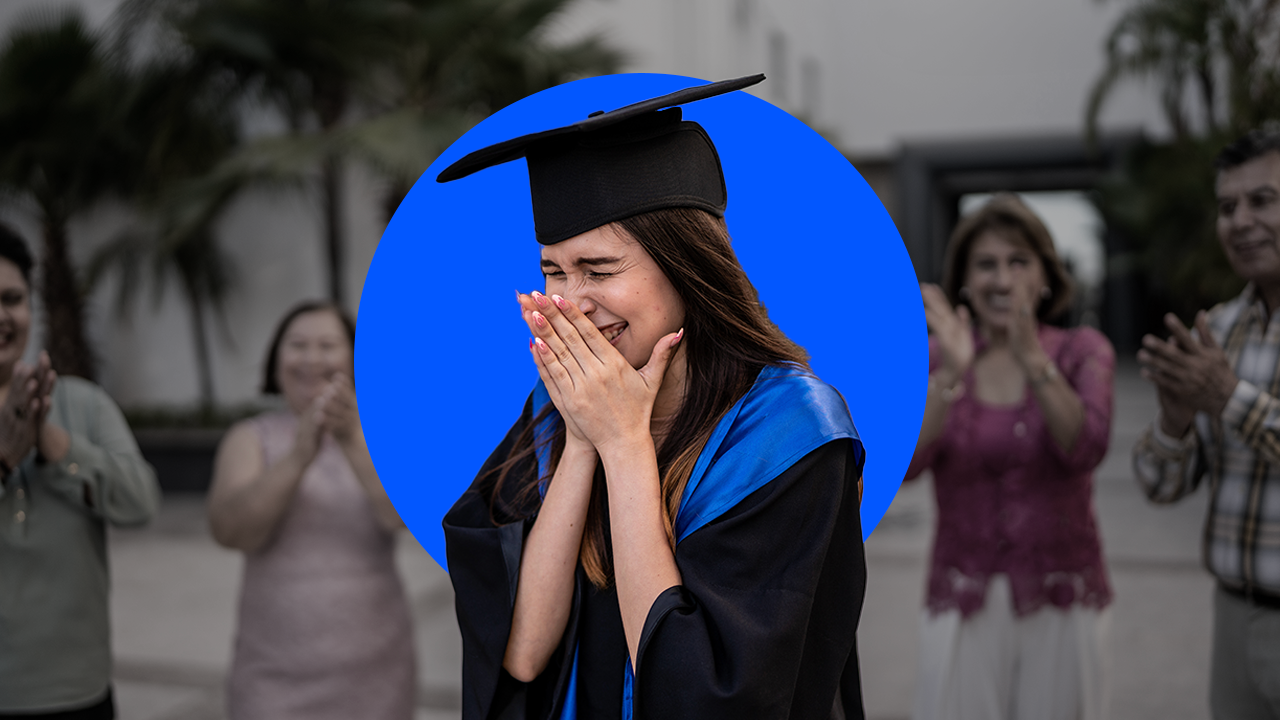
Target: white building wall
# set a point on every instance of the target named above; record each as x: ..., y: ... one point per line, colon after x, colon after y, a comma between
x: 889, y: 70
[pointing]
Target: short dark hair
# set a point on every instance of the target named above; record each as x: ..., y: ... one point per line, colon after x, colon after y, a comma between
x: 14, y: 249
x: 1006, y: 213
x: 1253, y: 144
x: 270, y: 384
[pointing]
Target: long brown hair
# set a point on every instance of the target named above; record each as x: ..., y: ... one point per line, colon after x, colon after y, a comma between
x: 728, y: 339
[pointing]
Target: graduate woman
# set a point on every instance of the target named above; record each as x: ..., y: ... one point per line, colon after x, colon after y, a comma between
x: 670, y: 529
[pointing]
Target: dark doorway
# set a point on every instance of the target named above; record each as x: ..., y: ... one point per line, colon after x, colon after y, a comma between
x: 933, y: 178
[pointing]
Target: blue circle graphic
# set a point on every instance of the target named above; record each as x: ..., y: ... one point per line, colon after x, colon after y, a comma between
x: 442, y: 363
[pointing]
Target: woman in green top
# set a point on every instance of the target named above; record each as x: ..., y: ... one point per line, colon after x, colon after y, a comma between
x: 68, y: 466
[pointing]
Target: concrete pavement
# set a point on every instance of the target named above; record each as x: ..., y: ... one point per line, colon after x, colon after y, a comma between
x: 174, y: 597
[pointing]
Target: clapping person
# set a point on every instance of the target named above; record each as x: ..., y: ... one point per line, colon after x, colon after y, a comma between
x: 324, y: 628
x: 1018, y: 415
x: 1219, y: 391
x: 68, y: 467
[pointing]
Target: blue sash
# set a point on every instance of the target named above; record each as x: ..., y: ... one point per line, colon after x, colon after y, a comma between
x: 787, y: 414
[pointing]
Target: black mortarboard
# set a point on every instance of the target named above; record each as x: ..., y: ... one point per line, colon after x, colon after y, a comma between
x: 615, y: 164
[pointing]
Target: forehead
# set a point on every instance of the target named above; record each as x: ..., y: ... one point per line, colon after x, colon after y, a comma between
x: 318, y: 323
x: 10, y: 275
x: 1262, y: 171
x: 604, y: 241
x: 999, y: 241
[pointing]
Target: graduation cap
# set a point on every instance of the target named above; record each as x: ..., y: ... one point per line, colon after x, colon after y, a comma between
x: 615, y: 164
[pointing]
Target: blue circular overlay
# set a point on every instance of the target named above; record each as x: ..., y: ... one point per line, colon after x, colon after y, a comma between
x: 442, y: 360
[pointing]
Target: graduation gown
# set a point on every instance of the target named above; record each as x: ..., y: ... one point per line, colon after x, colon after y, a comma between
x: 762, y: 626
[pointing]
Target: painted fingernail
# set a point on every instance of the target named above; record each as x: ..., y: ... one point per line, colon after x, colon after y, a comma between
x: 518, y: 297
x: 530, y: 343
x: 541, y: 345
x: 560, y: 302
x: 538, y: 319
x: 539, y: 298
x: 679, y: 337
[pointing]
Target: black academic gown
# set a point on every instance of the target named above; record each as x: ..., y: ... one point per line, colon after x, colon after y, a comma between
x: 763, y: 625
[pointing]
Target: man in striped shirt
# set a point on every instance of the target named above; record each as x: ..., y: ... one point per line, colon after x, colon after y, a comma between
x: 1219, y: 393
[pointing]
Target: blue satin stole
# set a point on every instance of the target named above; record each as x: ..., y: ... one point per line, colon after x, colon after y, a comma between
x: 786, y: 414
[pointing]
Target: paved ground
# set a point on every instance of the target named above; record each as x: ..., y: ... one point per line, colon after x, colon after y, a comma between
x: 175, y: 592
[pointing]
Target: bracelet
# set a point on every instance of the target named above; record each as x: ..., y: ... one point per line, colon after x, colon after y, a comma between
x: 1048, y: 374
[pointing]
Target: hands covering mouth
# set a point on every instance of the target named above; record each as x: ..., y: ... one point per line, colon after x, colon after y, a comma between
x: 604, y: 401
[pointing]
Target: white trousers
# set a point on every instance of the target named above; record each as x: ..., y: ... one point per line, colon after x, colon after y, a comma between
x: 1049, y: 665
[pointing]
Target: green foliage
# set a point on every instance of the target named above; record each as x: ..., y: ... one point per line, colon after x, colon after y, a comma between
x: 66, y: 140
x: 1163, y: 204
x: 1217, y: 66
x: 1217, y: 62
x: 390, y: 83
x: 65, y: 116
x: 150, y: 112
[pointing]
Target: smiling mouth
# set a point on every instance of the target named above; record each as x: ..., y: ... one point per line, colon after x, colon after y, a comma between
x: 611, y: 332
x: 1000, y: 301
x: 1247, y: 246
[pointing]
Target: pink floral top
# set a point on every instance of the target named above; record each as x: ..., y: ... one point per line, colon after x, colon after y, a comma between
x: 1011, y: 501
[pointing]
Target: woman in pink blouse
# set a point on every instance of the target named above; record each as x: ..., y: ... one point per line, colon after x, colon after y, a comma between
x: 1018, y: 415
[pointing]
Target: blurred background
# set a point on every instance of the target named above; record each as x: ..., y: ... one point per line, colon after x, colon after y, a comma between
x: 188, y: 169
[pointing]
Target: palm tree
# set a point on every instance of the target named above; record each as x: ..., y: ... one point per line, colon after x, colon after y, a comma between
x: 391, y: 82
x: 1217, y: 66
x: 306, y: 59
x: 457, y: 62
x: 66, y: 147
x: 190, y: 128
x: 1199, y: 46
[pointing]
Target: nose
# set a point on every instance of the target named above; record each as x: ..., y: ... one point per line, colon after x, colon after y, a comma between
x: 1004, y: 276
x: 1242, y: 217
x: 580, y: 294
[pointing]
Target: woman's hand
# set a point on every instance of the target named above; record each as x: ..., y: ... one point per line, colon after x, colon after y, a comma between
x: 306, y: 438
x: 47, y: 379
x: 952, y: 330
x: 605, y: 400
x: 19, y: 414
x: 339, y: 413
x: 573, y: 435
x: 52, y: 442
x: 1024, y: 332
x: 611, y: 403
